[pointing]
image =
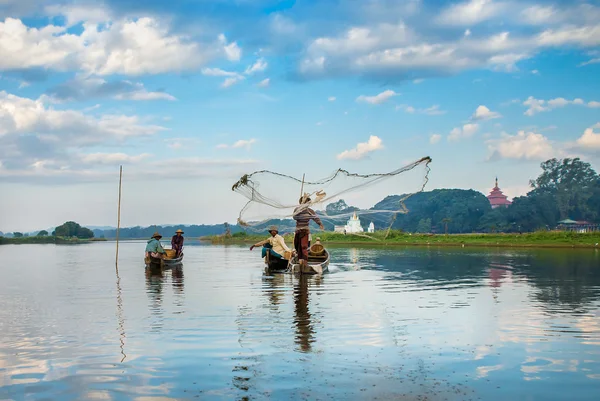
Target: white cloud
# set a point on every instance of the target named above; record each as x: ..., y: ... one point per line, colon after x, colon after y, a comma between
x: 398, y: 51
x: 483, y: 113
x: 74, y: 13
x: 82, y: 88
x: 434, y: 138
x: 471, y: 12
x: 362, y: 149
x: 523, y: 145
x: 430, y: 111
x: 259, y: 66
x: 331, y: 98
x: 145, y: 95
x: 124, y: 46
x: 418, y: 81
x: 232, y: 50
x: 264, y: 83
x: 112, y: 158
x: 231, y: 81
x: 467, y: 131
x: 377, y: 99
x: 242, y: 143
x: 217, y: 72
x: 595, y: 58
x: 589, y: 140
x: 34, y: 134
x: 535, y: 72
x: 539, y: 105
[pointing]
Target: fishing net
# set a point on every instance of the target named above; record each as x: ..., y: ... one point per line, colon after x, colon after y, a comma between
x: 343, y: 201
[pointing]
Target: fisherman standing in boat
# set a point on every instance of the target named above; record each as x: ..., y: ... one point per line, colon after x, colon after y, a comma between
x: 154, y: 249
x: 303, y: 215
x: 276, y: 243
x: 177, y: 242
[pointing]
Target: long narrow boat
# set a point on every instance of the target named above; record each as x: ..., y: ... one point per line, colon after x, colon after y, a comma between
x: 167, y: 263
x: 275, y: 265
x: 318, y: 262
x: 173, y: 262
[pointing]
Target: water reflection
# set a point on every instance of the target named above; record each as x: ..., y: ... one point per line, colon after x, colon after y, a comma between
x: 154, y: 289
x: 401, y: 323
x: 304, y: 330
x: 120, y: 319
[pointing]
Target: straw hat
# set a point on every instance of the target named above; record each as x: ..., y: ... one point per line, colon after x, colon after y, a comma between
x: 273, y: 228
x: 179, y: 231
x: 156, y: 235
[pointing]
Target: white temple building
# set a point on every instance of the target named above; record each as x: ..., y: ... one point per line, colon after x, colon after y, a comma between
x: 371, y: 228
x: 353, y: 225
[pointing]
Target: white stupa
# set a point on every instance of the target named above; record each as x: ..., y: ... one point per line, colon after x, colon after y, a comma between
x: 353, y: 225
x: 371, y: 228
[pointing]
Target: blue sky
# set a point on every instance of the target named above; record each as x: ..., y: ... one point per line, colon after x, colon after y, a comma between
x: 190, y: 95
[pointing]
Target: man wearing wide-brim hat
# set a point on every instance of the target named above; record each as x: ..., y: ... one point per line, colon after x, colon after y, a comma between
x: 154, y: 248
x: 177, y: 242
x: 275, y: 243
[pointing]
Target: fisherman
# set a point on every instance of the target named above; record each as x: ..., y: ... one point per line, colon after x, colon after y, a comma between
x: 303, y: 215
x: 154, y: 249
x: 177, y: 242
x: 276, y: 243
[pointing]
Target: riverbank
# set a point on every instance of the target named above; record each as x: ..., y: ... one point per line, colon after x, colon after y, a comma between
x: 542, y: 239
x: 47, y: 240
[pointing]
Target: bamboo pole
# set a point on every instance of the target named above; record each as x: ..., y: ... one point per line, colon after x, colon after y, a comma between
x: 119, y: 215
x: 302, y: 187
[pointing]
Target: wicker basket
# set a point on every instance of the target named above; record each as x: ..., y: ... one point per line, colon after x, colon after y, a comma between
x: 317, y: 249
x: 171, y: 253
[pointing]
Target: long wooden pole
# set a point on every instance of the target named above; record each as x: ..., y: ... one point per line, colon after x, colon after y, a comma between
x: 119, y: 214
x: 302, y: 187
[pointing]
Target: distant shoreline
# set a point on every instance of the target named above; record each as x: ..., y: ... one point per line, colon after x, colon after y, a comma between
x: 47, y: 240
x: 526, y: 240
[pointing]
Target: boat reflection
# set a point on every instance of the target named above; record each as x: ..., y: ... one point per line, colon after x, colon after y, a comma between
x: 154, y: 289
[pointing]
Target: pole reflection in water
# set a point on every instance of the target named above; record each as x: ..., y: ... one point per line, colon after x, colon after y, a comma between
x: 154, y: 287
x: 120, y: 319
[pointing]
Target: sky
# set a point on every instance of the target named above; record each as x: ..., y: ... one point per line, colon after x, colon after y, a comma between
x: 190, y: 95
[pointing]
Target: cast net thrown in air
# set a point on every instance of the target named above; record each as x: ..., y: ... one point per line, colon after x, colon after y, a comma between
x: 343, y: 201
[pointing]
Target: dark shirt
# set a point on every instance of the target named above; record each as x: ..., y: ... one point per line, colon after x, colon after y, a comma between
x: 177, y: 241
x: 303, y: 217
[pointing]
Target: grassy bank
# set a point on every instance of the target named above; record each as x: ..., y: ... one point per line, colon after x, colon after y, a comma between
x: 542, y: 239
x: 47, y: 240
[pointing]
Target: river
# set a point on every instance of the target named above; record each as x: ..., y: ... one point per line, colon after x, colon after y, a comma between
x: 402, y: 323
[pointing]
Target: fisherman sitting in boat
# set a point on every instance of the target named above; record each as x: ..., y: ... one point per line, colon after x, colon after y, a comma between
x: 275, y: 244
x: 303, y: 215
x: 154, y: 249
x: 177, y: 242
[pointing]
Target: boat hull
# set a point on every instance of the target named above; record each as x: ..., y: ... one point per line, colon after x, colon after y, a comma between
x: 157, y: 264
x: 315, y: 265
x: 275, y: 265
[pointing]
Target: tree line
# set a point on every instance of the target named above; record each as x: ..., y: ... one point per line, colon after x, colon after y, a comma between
x: 69, y: 229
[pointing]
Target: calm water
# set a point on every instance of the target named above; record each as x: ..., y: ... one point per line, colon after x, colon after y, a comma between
x: 400, y: 324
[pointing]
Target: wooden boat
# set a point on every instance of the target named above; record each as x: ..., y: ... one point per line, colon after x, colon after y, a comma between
x: 275, y: 265
x: 173, y: 262
x: 318, y: 260
x: 167, y: 263
x: 317, y: 264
